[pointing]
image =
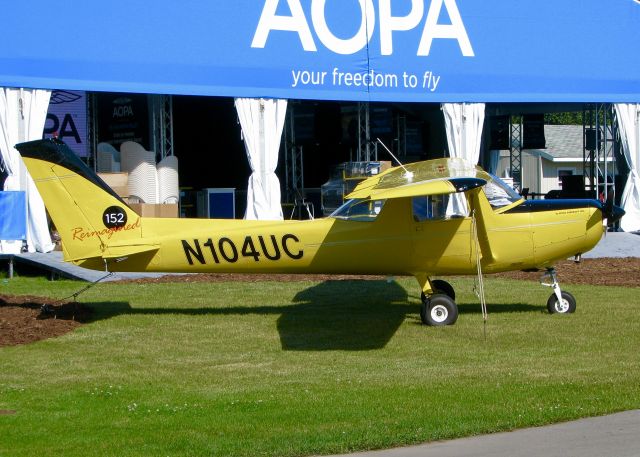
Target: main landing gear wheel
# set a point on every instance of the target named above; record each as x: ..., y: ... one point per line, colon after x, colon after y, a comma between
x: 566, y: 306
x: 441, y: 286
x: 438, y: 310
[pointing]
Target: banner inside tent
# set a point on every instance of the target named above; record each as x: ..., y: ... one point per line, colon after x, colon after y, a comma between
x: 366, y: 50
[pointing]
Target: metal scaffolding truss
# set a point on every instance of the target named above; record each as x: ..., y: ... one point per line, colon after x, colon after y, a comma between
x: 161, y: 124
x: 515, y: 151
x: 401, y: 135
x: 92, y: 129
x: 364, y: 133
x: 601, y: 140
x: 294, y: 194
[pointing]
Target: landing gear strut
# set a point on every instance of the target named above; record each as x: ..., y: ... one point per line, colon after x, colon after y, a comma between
x: 441, y: 286
x: 559, y: 302
x: 438, y: 303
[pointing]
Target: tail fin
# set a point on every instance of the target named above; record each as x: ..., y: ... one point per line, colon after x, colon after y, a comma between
x: 94, y: 223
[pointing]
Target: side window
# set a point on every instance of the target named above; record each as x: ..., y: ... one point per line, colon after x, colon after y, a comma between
x: 359, y: 210
x: 430, y: 207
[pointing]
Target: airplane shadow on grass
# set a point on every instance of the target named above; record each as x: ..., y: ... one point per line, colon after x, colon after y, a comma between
x: 344, y: 315
x: 350, y: 315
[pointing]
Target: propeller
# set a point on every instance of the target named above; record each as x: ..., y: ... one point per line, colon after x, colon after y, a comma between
x: 610, y: 212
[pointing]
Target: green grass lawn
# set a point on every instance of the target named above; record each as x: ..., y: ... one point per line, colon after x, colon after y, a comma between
x: 301, y: 368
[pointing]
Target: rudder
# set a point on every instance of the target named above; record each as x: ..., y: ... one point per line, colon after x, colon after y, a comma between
x: 90, y: 218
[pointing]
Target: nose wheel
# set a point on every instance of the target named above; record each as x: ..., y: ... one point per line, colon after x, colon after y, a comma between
x: 566, y: 305
x: 560, y: 302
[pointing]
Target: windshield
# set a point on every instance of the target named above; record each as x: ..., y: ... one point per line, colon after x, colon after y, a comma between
x: 499, y: 193
x: 359, y: 210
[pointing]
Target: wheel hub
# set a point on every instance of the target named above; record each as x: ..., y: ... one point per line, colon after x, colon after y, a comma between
x: 562, y: 306
x: 439, y: 313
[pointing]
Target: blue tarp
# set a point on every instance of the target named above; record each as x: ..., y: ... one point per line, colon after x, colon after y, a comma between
x: 13, y: 215
x: 368, y: 50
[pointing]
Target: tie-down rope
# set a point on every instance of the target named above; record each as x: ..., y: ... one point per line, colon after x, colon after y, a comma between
x: 479, y: 290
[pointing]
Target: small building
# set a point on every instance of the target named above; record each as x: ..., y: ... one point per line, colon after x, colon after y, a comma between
x: 543, y: 169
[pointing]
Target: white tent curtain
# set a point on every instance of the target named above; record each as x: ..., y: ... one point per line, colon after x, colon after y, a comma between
x: 262, y: 122
x: 629, y: 124
x: 463, y: 123
x: 22, y: 117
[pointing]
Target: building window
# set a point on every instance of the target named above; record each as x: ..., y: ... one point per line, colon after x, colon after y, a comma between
x: 564, y: 172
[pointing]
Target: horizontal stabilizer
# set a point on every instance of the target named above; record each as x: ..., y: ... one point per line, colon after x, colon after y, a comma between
x: 113, y: 252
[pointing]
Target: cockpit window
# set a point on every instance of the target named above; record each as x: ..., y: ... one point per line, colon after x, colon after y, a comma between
x: 430, y: 207
x: 499, y: 193
x: 359, y: 210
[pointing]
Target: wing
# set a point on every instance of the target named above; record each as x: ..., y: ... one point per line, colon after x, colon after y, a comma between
x: 442, y: 176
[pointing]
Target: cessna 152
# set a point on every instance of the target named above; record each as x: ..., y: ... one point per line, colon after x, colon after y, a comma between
x: 438, y: 217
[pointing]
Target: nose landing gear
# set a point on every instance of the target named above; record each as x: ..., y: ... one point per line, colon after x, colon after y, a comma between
x: 560, y: 302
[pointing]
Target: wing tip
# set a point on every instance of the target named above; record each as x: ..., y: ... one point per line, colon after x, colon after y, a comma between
x: 466, y: 184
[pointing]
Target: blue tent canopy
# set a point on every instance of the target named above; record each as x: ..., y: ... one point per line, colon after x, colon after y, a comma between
x: 366, y: 50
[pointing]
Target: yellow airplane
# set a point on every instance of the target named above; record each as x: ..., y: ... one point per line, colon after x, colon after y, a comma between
x: 438, y: 217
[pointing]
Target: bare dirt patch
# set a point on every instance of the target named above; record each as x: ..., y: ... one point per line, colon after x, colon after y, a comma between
x: 23, y: 321
x: 623, y: 272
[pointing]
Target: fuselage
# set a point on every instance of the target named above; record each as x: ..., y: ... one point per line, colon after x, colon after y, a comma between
x: 523, y: 235
x: 438, y: 217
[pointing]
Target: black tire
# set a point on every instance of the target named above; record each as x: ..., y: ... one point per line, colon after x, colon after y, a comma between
x: 423, y: 309
x: 439, y: 310
x: 440, y: 286
x: 569, y: 305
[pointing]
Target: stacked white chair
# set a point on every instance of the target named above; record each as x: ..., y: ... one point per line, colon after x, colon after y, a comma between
x: 168, y: 190
x: 143, y: 177
x: 108, y: 159
x: 105, y: 162
x: 130, y: 153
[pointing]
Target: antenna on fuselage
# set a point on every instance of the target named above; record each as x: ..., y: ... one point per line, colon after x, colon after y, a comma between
x: 407, y: 173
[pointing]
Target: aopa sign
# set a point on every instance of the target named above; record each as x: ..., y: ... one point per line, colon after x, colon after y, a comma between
x: 297, y: 23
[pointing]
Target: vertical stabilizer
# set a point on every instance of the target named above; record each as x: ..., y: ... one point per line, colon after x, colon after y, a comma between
x: 88, y: 215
